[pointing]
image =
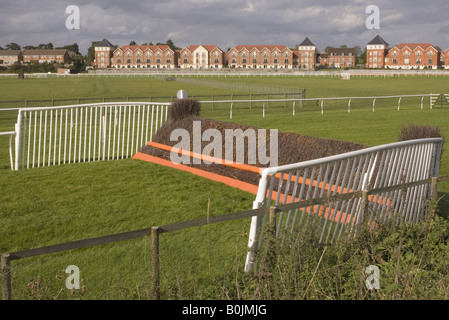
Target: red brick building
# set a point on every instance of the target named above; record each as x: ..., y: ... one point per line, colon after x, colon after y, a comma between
x: 376, y: 51
x: 145, y: 57
x: 306, y: 55
x: 46, y: 56
x: 413, y: 56
x: 260, y: 57
x: 104, y: 52
x: 444, y: 60
x: 338, y: 58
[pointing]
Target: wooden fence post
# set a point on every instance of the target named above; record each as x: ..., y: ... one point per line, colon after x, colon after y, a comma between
x: 6, y: 276
x: 155, y: 263
x: 433, y: 189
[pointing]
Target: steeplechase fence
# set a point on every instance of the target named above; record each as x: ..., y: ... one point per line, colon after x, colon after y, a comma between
x: 360, y: 187
x: 49, y: 136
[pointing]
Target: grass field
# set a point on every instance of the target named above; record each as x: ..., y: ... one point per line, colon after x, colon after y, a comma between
x: 52, y: 205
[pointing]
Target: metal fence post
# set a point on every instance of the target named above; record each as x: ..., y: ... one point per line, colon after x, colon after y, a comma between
x: 6, y: 276
x: 155, y: 263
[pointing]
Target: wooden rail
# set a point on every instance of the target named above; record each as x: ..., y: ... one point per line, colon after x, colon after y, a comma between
x: 155, y: 231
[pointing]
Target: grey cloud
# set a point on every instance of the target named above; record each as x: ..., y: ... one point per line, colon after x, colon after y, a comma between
x: 224, y: 23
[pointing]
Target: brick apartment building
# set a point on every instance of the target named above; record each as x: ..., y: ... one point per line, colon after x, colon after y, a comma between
x: 9, y: 57
x: 338, y: 58
x: 413, y: 56
x: 104, y: 50
x: 144, y: 56
x: 445, y: 59
x: 404, y: 55
x: 201, y: 57
x: 260, y: 57
x: 376, y: 51
x: 46, y: 56
x: 306, y: 55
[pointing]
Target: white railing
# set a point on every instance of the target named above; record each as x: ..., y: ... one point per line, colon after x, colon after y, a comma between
x: 321, y: 101
x: 47, y: 136
x: 373, y: 168
x: 11, y: 134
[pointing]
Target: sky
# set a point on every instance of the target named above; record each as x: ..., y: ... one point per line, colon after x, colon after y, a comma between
x: 223, y: 23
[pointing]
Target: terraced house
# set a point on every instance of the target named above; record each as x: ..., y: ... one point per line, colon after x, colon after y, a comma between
x: 145, y: 57
x: 201, y: 57
x: 404, y: 55
x: 46, y: 56
x: 260, y: 56
x: 9, y: 57
x: 413, y: 56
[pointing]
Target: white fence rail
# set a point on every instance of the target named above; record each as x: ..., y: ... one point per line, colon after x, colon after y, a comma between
x: 49, y: 136
x: 372, y: 168
x: 321, y: 101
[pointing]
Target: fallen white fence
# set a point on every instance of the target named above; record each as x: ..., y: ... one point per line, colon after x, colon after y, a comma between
x: 378, y: 168
x: 47, y: 136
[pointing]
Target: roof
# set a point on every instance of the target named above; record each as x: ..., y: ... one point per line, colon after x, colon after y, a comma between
x: 260, y: 47
x: 207, y: 47
x: 10, y: 52
x: 163, y: 47
x: 414, y: 46
x: 45, y: 52
x: 105, y: 43
x: 306, y: 43
x: 340, y: 51
x: 378, y: 40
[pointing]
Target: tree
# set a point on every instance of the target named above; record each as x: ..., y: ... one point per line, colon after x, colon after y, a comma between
x: 71, y: 47
x: 90, y: 57
x: 133, y: 43
x: 171, y: 44
x: 13, y: 46
x: 361, y: 59
x: 43, y: 46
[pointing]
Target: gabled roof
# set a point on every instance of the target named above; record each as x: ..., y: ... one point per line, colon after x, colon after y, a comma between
x: 378, y: 41
x: 414, y: 46
x: 260, y: 47
x: 306, y: 43
x: 163, y: 47
x: 209, y: 48
x: 105, y: 43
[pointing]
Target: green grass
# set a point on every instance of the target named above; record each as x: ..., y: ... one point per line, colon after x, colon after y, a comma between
x: 52, y: 205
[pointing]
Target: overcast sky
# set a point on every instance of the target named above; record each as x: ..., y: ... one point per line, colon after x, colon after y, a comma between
x: 223, y: 23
